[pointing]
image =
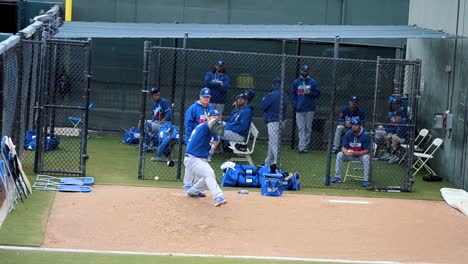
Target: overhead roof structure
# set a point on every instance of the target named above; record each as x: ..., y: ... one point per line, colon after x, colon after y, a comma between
x: 236, y: 31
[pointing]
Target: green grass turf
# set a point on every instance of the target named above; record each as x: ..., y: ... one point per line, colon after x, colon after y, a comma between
x: 15, y: 257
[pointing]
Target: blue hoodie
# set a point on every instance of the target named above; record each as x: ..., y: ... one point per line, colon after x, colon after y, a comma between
x: 161, y: 109
x: 347, y: 115
x: 240, y: 121
x: 304, y: 102
x: 196, y: 114
x: 218, y: 92
x: 271, y: 106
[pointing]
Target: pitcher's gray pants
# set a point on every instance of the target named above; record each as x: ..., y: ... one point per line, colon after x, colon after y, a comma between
x: 304, y: 127
x: 202, y: 174
x: 340, y: 158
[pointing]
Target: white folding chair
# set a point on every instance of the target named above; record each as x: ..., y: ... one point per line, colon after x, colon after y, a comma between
x: 354, y: 170
x: 418, y: 141
x: 423, y: 158
x: 251, y: 139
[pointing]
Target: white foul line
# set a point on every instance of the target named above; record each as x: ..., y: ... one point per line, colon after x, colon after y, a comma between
x: 64, y: 250
x: 348, y: 201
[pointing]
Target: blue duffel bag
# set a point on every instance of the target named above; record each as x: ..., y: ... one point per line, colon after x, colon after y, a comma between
x: 241, y: 175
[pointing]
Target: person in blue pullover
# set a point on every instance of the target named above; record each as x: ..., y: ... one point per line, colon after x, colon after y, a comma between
x: 348, y: 113
x: 195, y: 161
x: 396, y: 134
x: 218, y: 81
x: 162, y: 110
x: 237, y: 127
x: 271, y: 108
x: 304, y: 91
x: 196, y: 114
x: 356, y: 146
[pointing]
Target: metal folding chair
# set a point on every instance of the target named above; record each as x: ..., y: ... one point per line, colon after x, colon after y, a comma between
x: 423, y: 158
x: 418, y: 141
x: 75, y: 120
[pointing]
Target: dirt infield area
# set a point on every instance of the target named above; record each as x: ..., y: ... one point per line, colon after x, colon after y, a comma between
x: 147, y: 219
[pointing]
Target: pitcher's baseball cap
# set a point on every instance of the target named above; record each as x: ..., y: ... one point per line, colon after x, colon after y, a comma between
x: 205, y: 92
x: 213, y: 112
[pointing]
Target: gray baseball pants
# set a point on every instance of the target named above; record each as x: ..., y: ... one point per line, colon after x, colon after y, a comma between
x: 304, y: 126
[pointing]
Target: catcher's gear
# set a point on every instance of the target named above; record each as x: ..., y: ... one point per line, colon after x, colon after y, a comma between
x: 216, y: 126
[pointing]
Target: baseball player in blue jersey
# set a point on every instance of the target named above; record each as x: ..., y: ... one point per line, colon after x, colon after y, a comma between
x: 237, y: 127
x: 162, y: 110
x: 196, y: 114
x: 304, y: 91
x: 195, y: 162
x: 347, y: 114
x: 396, y: 134
x: 271, y: 108
x: 356, y: 147
x: 218, y: 81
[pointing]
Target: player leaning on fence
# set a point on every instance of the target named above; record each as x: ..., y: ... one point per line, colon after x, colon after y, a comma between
x: 195, y: 161
x: 218, y: 81
x: 271, y: 108
x: 303, y: 93
x: 356, y: 146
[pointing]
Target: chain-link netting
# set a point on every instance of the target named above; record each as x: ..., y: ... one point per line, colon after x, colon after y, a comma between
x: 306, y: 142
x: 10, y: 92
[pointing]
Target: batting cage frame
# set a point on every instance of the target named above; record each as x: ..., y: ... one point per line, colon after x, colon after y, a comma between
x: 178, y: 74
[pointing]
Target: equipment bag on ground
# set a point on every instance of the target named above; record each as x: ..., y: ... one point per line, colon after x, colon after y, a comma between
x: 272, y: 184
x: 131, y: 136
x: 291, y: 181
x: 241, y: 175
x: 30, y: 141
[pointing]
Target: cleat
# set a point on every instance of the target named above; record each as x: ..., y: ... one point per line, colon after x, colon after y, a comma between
x: 201, y: 195
x: 386, y: 156
x: 365, y: 184
x: 219, y: 201
x: 335, y: 180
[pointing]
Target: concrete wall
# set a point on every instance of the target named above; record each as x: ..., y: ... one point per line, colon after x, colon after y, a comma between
x: 445, y: 81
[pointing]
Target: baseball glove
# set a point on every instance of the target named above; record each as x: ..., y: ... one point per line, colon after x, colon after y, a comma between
x: 216, y: 127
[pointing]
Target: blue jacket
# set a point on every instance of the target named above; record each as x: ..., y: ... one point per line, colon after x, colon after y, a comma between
x: 161, y: 109
x: 196, y: 114
x: 357, y: 143
x: 304, y: 102
x: 198, y: 143
x: 218, y: 92
x: 240, y: 121
x: 347, y: 115
x: 271, y: 106
x: 400, y: 131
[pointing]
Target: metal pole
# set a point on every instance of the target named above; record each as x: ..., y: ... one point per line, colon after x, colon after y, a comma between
x: 2, y: 69
x: 84, y: 131
x: 376, y: 90
x: 174, y: 70
x: 144, y: 92
x: 281, y: 113
x: 54, y: 90
x: 298, y: 66
x: 40, y: 137
x: 159, y: 66
x: 332, y: 110
x: 182, y: 105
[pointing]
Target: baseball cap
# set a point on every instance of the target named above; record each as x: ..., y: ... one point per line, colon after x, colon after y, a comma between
x: 154, y: 90
x: 395, y: 100
x: 354, y: 98
x: 213, y: 112
x: 250, y: 93
x: 277, y: 81
x: 304, y: 68
x: 219, y: 63
x: 205, y: 92
x: 243, y: 96
x: 355, y: 121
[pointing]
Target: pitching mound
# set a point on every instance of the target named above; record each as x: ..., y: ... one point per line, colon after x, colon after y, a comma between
x: 150, y: 219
